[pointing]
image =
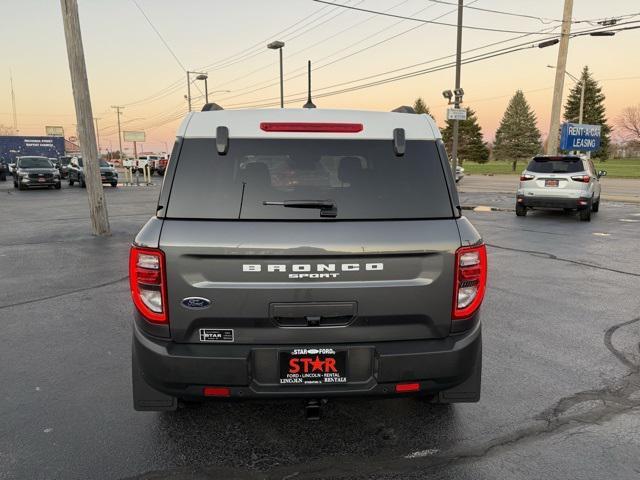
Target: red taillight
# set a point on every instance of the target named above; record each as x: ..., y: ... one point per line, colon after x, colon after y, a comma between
x: 311, y: 127
x: 216, y: 392
x: 525, y: 176
x: 470, y: 281
x: 148, y: 283
x: 407, y: 387
x: 581, y: 178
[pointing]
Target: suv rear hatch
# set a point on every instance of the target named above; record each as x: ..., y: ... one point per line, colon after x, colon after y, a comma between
x: 556, y: 176
x: 250, y: 231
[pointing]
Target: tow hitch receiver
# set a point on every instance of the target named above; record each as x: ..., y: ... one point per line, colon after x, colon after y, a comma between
x: 313, y: 408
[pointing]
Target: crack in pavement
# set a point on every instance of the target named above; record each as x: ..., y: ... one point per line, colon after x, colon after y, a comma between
x: 551, y: 256
x: 70, y: 292
x: 618, y: 354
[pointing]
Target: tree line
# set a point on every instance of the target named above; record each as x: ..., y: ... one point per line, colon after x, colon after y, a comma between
x: 518, y: 138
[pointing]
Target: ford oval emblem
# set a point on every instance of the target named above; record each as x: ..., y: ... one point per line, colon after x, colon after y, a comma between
x: 196, y: 303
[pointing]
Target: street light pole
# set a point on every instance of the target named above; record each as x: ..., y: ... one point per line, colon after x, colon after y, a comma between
x: 281, y: 83
x: 563, y: 50
x: 454, y: 141
x: 277, y: 45
x: 204, y: 76
x: 582, y: 101
x: 189, y: 89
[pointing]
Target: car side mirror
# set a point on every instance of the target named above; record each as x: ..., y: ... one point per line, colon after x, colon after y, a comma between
x: 602, y: 173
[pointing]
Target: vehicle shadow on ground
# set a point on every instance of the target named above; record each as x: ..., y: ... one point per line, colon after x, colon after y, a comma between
x: 260, y: 435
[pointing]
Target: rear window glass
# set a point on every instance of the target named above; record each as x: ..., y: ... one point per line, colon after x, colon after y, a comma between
x: 363, y: 178
x: 564, y: 165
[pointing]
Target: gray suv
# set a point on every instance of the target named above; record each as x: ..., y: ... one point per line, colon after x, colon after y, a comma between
x: 307, y: 254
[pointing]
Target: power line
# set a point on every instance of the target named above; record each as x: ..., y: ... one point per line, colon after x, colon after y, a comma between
x: 291, y: 77
x: 164, y: 42
x: 176, y: 85
x: 375, y: 12
x: 500, y: 12
x: 482, y: 47
x: 481, y: 57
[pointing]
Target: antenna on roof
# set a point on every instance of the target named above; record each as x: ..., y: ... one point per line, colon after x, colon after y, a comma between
x: 309, y: 103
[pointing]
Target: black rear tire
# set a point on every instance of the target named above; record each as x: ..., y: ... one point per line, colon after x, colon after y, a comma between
x: 71, y: 181
x: 83, y: 184
x: 585, y: 214
x: 114, y: 185
x: 596, y: 206
x: 58, y: 186
x: 521, y: 210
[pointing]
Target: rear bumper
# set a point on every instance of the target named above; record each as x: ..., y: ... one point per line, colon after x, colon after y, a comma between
x: 182, y: 370
x: 552, y: 202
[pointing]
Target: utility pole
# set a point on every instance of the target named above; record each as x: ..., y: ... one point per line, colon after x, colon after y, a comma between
x: 82, y: 100
x: 189, y: 89
x: 454, y: 142
x: 13, y: 105
x: 563, y: 50
x: 97, y: 135
x: 118, y: 113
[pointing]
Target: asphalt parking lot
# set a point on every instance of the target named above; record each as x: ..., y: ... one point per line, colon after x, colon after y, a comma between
x: 561, y: 378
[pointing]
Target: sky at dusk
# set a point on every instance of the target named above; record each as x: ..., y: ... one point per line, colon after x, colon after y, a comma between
x: 129, y: 65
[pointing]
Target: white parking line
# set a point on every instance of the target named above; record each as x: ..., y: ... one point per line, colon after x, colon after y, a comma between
x: 423, y: 453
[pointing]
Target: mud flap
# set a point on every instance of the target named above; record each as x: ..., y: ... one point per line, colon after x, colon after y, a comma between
x: 146, y: 398
x: 469, y: 390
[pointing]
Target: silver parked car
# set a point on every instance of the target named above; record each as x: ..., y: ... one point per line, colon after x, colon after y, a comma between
x: 569, y: 182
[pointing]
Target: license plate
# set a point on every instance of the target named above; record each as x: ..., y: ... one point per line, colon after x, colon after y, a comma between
x: 41, y: 180
x: 551, y: 183
x: 313, y: 366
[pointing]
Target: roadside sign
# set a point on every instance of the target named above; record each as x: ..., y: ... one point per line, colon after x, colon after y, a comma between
x: 54, y: 131
x: 580, y: 137
x: 132, y: 136
x: 456, y: 113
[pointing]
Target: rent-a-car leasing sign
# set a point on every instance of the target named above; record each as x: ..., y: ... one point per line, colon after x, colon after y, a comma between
x: 580, y: 137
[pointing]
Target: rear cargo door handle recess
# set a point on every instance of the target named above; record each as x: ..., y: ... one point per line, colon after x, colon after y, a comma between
x: 313, y: 314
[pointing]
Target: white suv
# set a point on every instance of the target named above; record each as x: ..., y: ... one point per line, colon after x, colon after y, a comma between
x: 569, y: 182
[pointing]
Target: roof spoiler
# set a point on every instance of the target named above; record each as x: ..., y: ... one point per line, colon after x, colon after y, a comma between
x: 208, y: 107
x: 404, y: 109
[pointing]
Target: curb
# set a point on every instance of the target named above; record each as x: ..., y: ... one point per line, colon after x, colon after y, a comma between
x: 484, y: 208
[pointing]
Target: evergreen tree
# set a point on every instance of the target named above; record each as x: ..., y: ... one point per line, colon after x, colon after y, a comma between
x: 420, y: 107
x: 517, y: 137
x: 471, y: 145
x: 594, y: 110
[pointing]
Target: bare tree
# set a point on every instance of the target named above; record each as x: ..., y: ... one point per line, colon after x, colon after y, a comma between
x: 629, y: 122
x: 4, y: 130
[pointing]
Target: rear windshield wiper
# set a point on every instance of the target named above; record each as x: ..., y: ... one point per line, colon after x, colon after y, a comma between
x: 328, y: 208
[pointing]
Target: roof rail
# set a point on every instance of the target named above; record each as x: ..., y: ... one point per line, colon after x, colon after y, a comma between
x: 211, y: 106
x: 404, y: 109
